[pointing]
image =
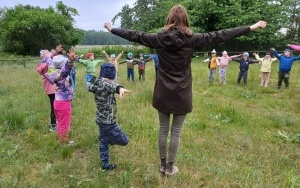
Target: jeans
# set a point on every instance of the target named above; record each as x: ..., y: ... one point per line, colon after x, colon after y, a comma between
x: 130, y: 72
x: 110, y: 134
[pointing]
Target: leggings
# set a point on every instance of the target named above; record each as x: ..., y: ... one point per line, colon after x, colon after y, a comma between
x: 63, y: 111
x: 52, y: 114
x: 164, y: 126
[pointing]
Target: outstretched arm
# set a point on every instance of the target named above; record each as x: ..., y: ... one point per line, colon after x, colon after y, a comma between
x: 106, y: 55
x: 119, y: 56
x: 206, y: 60
x: 275, y: 53
x: 123, y: 62
x: 258, y: 25
x: 251, y: 61
x: 257, y: 57
x: 122, y: 91
x: 294, y: 47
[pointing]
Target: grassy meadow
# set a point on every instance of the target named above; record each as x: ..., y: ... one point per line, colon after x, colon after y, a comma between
x: 236, y: 136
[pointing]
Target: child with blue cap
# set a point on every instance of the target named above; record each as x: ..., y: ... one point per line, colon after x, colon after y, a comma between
x: 104, y: 89
x: 244, y: 62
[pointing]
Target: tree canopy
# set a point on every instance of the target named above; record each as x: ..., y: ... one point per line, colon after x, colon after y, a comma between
x: 208, y: 15
x: 26, y: 29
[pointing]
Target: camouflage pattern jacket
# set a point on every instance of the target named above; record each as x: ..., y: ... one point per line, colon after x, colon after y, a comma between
x: 104, y: 94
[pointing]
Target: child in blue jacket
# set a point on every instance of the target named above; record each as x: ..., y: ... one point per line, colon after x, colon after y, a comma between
x: 244, y: 66
x: 285, y: 65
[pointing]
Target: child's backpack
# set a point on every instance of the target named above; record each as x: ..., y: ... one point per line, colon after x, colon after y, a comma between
x: 141, y: 66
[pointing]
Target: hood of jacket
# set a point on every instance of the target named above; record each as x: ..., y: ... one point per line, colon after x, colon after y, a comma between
x: 174, y: 39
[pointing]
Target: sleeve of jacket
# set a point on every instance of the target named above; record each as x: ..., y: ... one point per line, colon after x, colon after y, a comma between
x: 97, y: 85
x: 142, y: 38
x: 41, y: 68
x: 276, y: 54
x: 236, y: 59
x: 296, y: 58
x: 205, y: 39
x: 258, y: 58
x: 295, y: 47
x: 251, y: 61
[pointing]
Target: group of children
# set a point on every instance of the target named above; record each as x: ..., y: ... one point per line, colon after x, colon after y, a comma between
x: 285, y: 65
x: 57, y: 68
x: 58, y: 71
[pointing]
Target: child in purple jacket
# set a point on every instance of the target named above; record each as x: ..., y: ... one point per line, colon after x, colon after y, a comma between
x: 64, y: 93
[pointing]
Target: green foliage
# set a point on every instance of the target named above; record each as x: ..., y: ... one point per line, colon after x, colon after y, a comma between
x: 250, y: 93
x: 207, y: 16
x: 26, y: 29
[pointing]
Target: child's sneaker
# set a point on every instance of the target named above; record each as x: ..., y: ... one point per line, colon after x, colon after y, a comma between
x: 109, y: 167
x: 52, y: 127
x: 172, y: 172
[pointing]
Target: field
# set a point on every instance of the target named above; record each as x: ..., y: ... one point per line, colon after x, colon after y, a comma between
x: 236, y: 136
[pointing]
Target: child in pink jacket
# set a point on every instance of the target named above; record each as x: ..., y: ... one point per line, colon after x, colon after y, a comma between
x: 223, y: 63
x: 49, y: 88
x: 64, y: 93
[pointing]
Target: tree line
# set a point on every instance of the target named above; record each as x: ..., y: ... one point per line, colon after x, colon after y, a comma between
x: 92, y: 37
x: 25, y: 29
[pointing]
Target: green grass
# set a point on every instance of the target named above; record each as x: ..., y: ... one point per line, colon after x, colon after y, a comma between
x: 236, y: 136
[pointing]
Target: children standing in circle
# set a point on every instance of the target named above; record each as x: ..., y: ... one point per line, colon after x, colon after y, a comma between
x: 130, y: 66
x: 212, y: 65
x: 64, y: 93
x: 90, y: 65
x: 104, y: 90
x: 244, y: 62
x: 266, y: 64
x: 114, y: 60
x: 172, y: 95
x: 224, y: 60
x: 285, y: 65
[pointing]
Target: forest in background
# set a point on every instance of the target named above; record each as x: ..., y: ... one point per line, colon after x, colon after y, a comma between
x: 23, y: 28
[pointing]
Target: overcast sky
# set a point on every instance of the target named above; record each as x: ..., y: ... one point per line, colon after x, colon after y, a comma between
x: 92, y: 13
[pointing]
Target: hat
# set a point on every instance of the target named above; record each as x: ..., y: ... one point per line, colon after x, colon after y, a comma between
x: 112, y: 56
x: 214, y: 51
x: 88, y: 55
x: 59, y: 61
x: 287, y: 50
x: 41, y: 53
x: 108, y: 71
x: 129, y: 54
x: 224, y: 52
x: 246, y: 54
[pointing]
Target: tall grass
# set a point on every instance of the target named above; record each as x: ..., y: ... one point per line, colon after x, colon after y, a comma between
x: 236, y: 136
